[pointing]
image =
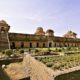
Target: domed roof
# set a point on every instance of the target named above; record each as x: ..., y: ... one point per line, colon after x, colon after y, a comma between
x: 40, y: 28
x: 3, y: 24
x: 3, y: 21
x: 49, y: 30
x: 39, y: 31
x: 71, y: 32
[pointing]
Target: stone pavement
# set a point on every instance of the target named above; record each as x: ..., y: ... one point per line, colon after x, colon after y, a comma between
x: 36, y: 70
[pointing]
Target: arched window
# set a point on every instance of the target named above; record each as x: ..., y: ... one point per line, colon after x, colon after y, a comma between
x: 65, y: 45
x: 43, y: 44
x: 22, y: 45
x: 37, y: 45
x: 2, y: 29
x: 50, y: 44
x: 54, y: 44
x: 30, y: 45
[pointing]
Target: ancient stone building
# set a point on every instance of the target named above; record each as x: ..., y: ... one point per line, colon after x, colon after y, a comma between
x: 4, y: 39
x: 39, y: 39
x: 70, y: 34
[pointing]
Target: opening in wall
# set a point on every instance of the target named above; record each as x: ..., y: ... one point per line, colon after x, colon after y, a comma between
x: 30, y: 45
x: 43, y: 44
x: 22, y: 45
x: 50, y: 44
x: 37, y: 45
x: 13, y: 45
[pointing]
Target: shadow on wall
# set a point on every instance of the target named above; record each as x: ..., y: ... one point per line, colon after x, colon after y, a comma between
x: 28, y: 78
x: 3, y: 75
x: 69, y: 76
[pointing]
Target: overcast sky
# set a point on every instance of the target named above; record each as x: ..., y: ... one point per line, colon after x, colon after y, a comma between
x: 24, y: 16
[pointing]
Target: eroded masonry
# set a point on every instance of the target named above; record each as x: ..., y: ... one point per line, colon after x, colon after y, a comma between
x: 38, y: 39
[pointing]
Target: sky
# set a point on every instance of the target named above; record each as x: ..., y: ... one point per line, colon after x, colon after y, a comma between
x: 24, y: 16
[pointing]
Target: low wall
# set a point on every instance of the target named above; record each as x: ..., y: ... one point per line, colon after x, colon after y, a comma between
x: 68, y: 74
x: 3, y: 75
x: 75, y: 75
x: 10, y: 60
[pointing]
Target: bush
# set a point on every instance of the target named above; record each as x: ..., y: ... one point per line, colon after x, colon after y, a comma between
x: 57, y: 67
x: 59, y: 50
x: 3, y: 52
x: 36, y: 50
x: 49, y: 64
x: 8, y: 52
x: 21, y: 51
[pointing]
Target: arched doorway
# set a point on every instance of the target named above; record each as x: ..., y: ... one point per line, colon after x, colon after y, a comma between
x: 30, y: 45
x: 50, y: 44
x: 2, y: 29
x: 22, y: 45
x: 13, y: 45
x: 37, y: 45
x: 43, y: 44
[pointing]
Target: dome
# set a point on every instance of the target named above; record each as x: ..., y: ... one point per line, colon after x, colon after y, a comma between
x: 4, y: 26
x: 3, y: 21
x: 70, y: 34
x: 39, y: 31
x: 49, y: 31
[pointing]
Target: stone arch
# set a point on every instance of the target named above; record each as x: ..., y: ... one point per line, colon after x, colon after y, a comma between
x: 2, y: 29
x: 30, y: 45
x: 37, y: 45
x: 13, y: 45
x: 50, y: 44
x: 22, y: 44
x: 43, y: 44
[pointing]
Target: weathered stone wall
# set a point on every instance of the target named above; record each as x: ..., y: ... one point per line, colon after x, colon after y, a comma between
x: 75, y: 75
x: 23, y: 40
x: 4, y: 39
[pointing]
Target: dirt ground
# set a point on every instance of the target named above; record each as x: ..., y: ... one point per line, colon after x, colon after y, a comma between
x: 15, y: 71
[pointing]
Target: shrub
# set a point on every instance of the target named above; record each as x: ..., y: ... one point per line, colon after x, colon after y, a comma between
x: 21, y: 51
x: 69, y: 48
x: 13, y: 56
x: 3, y: 52
x: 8, y: 52
x: 59, y: 50
x: 55, y: 53
x: 49, y: 64
x: 56, y: 67
x: 36, y: 50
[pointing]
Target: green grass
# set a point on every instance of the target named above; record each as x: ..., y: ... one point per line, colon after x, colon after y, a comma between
x: 61, y: 62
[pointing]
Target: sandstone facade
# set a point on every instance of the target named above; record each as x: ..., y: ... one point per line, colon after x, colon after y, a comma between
x: 38, y: 39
